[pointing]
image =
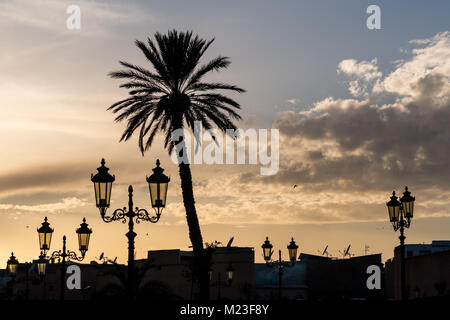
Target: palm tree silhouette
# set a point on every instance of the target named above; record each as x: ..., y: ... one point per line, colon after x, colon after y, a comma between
x: 172, y: 97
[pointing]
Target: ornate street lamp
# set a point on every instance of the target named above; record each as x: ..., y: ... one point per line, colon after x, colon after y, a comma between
x: 84, y: 233
x: 267, y: 253
x: 400, y: 215
x: 12, y: 265
x: 102, y: 187
x: 292, y: 249
x: 408, y: 205
x: 45, y: 236
x: 158, y: 185
x: 267, y: 250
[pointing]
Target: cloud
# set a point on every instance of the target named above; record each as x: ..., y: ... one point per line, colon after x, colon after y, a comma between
x: 367, y: 70
x: 429, y: 62
x: 293, y: 101
x: 66, y: 204
x: 362, y: 75
x: 355, y: 146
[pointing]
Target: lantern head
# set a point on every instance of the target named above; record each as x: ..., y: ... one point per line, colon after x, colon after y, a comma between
x: 41, y: 265
x: 394, y: 208
x: 158, y: 183
x: 292, y: 248
x: 230, y: 273
x: 12, y: 265
x: 84, y: 233
x: 102, y: 186
x: 267, y: 250
x: 45, y: 236
x: 408, y: 204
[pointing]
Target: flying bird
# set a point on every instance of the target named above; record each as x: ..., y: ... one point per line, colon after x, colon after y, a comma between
x: 295, y: 186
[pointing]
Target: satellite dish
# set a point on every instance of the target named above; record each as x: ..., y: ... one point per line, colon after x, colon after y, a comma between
x: 346, y: 251
x: 229, y: 242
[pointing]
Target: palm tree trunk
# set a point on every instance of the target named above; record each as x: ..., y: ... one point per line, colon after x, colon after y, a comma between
x: 201, y: 261
x: 200, y: 257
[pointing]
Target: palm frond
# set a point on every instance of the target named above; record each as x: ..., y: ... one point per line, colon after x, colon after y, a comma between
x: 214, y: 65
x: 172, y: 95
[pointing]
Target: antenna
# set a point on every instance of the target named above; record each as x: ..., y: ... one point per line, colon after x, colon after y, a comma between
x: 366, y: 249
x: 325, y: 252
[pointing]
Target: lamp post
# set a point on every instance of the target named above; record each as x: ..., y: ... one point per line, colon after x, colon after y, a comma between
x: 229, y: 273
x: 267, y: 253
x: 45, y: 232
x: 157, y: 183
x: 400, y: 215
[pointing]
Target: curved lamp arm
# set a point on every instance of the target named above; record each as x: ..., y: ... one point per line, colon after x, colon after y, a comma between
x: 118, y: 215
x: 69, y: 255
x: 142, y: 214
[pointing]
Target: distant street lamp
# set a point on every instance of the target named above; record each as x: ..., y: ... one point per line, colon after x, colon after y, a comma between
x: 400, y: 215
x: 229, y: 273
x: 268, y: 252
x: 12, y: 265
x: 292, y: 249
x: 84, y: 233
x: 158, y: 185
x: 41, y: 264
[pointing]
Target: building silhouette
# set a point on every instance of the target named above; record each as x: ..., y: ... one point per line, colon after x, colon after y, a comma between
x: 168, y: 274
x: 427, y: 271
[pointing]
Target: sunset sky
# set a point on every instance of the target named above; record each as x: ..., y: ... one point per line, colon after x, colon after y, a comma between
x: 360, y: 112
